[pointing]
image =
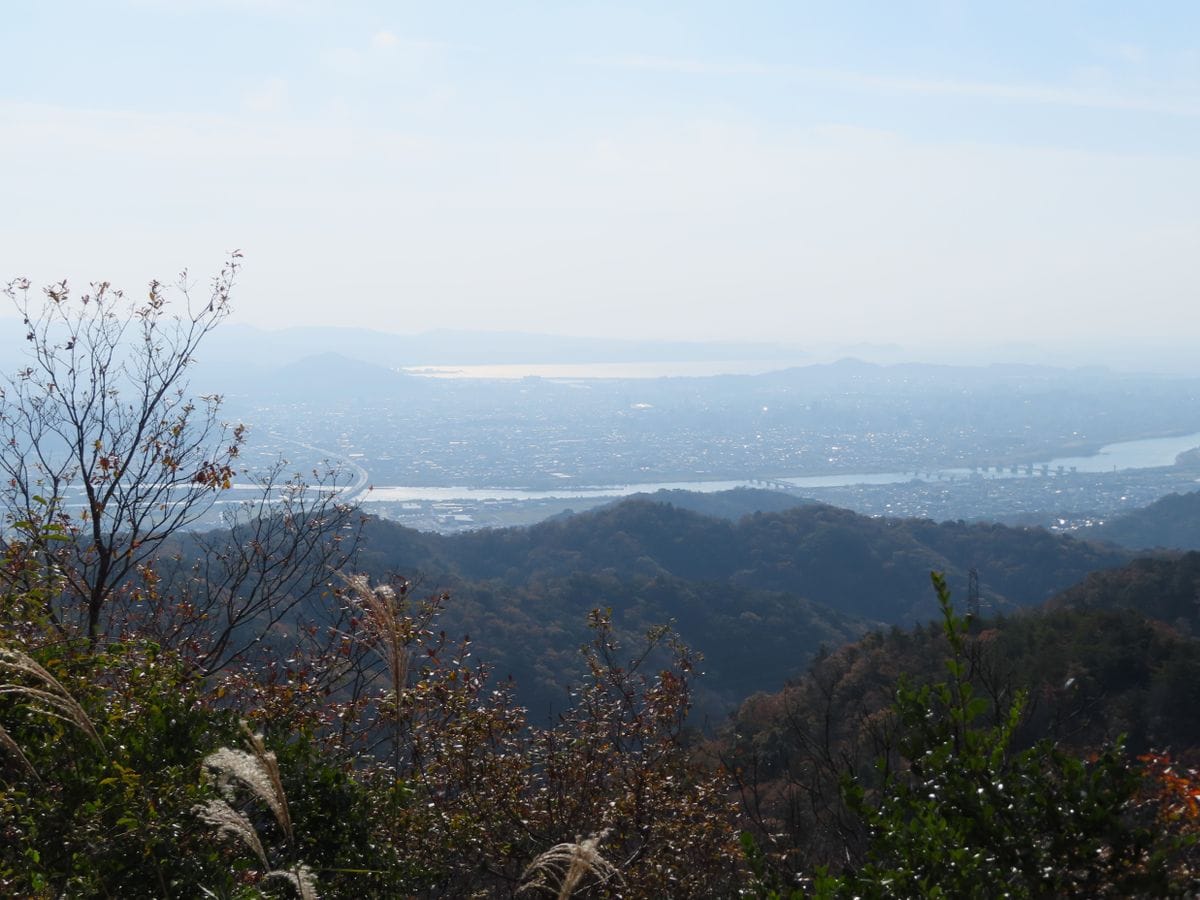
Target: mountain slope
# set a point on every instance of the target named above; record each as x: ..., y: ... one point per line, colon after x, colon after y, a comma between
x: 1172, y: 522
x: 875, y: 568
x: 758, y: 596
x: 1163, y: 588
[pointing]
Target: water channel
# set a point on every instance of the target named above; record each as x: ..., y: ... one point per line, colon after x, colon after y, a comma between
x: 1140, y: 454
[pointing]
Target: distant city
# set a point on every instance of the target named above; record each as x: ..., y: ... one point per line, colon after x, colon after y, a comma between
x: 1001, y: 443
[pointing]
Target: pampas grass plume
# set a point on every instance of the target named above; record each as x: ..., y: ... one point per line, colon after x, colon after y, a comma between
x: 565, y: 867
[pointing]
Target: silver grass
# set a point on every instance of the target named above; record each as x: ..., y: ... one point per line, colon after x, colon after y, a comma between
x: 565, y: 867
x: 385, y: 627
x: 231, y: 823
x: 50, y: 698
x: 231, y: 765
x: 270, y: 765
x: 301, y: 878
x: 257, y: 771
x: 248, y: 770
x: 14, y: 748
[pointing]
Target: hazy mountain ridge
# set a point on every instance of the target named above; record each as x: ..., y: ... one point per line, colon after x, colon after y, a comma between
x: 733, y: 504
x: 454, y: 347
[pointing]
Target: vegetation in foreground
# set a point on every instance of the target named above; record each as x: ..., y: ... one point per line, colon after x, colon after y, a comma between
x: 259, y: 721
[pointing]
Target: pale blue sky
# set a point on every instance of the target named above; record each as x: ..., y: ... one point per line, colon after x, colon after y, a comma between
x: 843, y: 172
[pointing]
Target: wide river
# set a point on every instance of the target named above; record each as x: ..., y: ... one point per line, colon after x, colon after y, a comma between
x: 1141, y: 454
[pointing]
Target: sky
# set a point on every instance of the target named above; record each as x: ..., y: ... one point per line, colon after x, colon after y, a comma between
x: 921, y: 173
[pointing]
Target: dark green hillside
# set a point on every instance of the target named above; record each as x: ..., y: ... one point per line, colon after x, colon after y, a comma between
x: 1112, y: 656
x: 525, y: 604
x: 732, y: 504
x: 1092, y: 675
x: 1172, y: 522
x: 1167, y: 589
x: 532, y: 632
x: 634, y: 536
x: 875, y: 568
x: 758, y: 597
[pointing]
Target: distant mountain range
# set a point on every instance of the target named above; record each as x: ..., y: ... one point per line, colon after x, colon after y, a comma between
x: 1170, y: 523
x: 274, y: 348
x: 264, y: 365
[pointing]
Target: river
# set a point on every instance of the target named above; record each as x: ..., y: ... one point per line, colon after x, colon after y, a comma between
x: 1140, y: 454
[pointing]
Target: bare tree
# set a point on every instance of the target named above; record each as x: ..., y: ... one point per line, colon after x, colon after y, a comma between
x: 219, y: 592
x: 100, y: 438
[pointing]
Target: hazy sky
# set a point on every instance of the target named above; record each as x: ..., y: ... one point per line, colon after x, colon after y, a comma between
x: 881, y: 171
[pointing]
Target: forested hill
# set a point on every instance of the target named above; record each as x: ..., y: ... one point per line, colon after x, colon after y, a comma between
x: 875, y: 568
x: 1172, y: 522
x: 1166, y: 589
x: 758, y: 596
x: 731, y: 504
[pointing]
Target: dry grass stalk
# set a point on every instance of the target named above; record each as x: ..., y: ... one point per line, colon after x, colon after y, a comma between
x: 385, y: 627
x: 258, y: 771
x: 388, y: 633
x: 301, y: 878
x: 7, y: 742
x: 231, y: 823
x: 268, y: 762
x: 566, y: 868
x: 50, y: 698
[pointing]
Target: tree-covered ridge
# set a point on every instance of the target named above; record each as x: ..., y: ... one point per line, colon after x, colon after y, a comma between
x: 748, y: 638
x: 758, y: 596
x: 877, y: 568
x: 1162, y: 588
x: 732, y: 504
x: 958, y: 807
x: 1172, y: 522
